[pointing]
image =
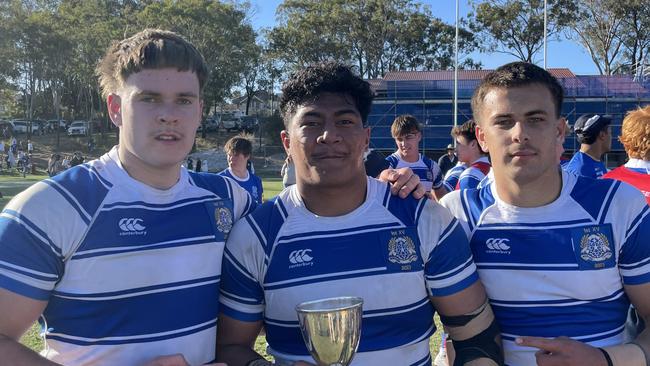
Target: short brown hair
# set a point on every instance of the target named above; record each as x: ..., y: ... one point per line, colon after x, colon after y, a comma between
x: 239, y: 144
x: 148, y: 49
x: 635, y: 133
x: 467, y: 130
x: 404, y: 124
x: 513, y: 75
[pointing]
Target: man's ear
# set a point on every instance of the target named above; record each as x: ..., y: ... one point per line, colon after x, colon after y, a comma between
x: 561, y: 130
x: 286, y: 143
x: 114, y: 103
x: 480, y: 138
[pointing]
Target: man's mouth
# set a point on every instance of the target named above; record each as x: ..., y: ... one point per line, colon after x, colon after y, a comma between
x: 167, y: 137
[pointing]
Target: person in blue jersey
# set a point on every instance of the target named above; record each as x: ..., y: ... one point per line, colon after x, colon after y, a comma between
x: 594, y: 133
x: 471, y: 155
x: 561, y: 256
x: 238, y: 152
x: 338, y: 232
x: 121, y: 257
x: 407, y: 133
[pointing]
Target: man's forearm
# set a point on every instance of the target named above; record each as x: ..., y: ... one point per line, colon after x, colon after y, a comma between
x: 237, y: 355
x: 14, y: 353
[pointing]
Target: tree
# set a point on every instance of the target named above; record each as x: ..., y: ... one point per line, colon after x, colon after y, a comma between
x: 516, y: 27
x: 634, y: 34
x: 597, y: 28
x: 375, y: 35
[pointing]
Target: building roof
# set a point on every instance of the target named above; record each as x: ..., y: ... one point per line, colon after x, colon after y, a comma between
x: 440, y: 75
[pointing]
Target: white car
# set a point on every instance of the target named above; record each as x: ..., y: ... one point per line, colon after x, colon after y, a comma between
x: 20, y: 126
x: 78, y: 128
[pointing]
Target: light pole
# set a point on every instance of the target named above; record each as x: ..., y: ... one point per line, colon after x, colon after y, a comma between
x: 456, y: 72
x: 545, y: 27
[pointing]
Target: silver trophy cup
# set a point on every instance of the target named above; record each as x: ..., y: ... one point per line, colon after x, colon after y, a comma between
x: 331, y: 329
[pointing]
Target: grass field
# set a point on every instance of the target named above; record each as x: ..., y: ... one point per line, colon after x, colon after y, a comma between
x: 10, y: 185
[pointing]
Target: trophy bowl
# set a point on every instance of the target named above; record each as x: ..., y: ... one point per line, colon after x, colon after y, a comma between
x: 331, y: 329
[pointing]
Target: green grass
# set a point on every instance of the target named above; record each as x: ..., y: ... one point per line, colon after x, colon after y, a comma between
x: 10, y: 185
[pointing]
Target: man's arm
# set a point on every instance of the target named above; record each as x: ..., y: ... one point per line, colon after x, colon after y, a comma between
x: 17, y: 315
x: 236, y: 339
x: 470, y: 323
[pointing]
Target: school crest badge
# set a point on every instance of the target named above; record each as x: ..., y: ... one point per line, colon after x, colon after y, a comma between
x: 223, y: 218
x: 595, y: 247
x: 401, y: 250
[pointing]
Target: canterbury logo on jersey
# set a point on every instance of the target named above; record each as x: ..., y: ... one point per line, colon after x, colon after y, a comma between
x: 300, y: 258
x: 497, y: 244
x: 132, y: 226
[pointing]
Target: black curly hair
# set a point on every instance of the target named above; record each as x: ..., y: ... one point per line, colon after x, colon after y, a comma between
x: 305, y: 85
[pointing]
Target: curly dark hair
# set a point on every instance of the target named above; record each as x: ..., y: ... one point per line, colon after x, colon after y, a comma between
x: 513, y: 75
x: 305, y: 85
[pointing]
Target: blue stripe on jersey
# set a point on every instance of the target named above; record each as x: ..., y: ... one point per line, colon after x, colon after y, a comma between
x: 634, y: 248
x: 339, y: 232
x: 134, y: 315
x: 405, y: 209
x: 256, y: 230
x: 71, y: 200
x: 564, y: 302
x: 636, y: 220
x: 153, y: 246
x: 608, y: 201
x: 42, y: 264
x: 539, y: 224
x: 20, y: 287
x: 156, y: 338
x: 392, y: 161
x: 94, y: 171
x: 386, y: 198
x: 468, y: 182
x: 266, y: 222
x: 584, y: 191
x: 42, y: 235
x: 379, y: 331
x: 154, y: 206
x: 109, y: 231
x: 280, y: 205
x: 423, y: 361
x: 586, y: 319
x: 451, y: 273
x: 239, y: 315
x: 241, y: 282
x: 82, y: 184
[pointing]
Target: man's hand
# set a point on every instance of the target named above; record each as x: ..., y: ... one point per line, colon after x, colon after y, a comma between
x: 174, y: 360
x: 563, y: 351
x: 403, y: 182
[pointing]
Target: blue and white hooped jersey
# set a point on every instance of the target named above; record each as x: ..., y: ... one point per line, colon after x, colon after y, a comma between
x: 585, y: 165
x: 394, y: 253
x: 474, y: 174
x: 129, y: 272
x: 559, y: 269
x: 252, y: 184
x: 427, y: 169
x: 453, y: 175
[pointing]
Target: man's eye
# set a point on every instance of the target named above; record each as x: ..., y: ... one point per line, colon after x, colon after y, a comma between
x: 184, y: 101
x: 148, y: 99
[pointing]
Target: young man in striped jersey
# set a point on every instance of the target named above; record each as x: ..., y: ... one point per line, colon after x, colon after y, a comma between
x: 470, y: 154
x: 561, y: 256
x: 338, y: 232
x: 121, y: 257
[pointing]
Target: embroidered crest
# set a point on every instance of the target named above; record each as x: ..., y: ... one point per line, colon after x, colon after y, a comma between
x: 401, y: 250
x: 429, y: 175
x: 594, y: 247
x: 223, y: 218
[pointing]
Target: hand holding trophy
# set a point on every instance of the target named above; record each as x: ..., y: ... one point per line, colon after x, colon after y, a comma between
x: 331, y: 329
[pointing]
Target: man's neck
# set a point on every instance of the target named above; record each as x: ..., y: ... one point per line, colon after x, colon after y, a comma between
x: 334, y: 201
x: 163, y: 178
x: 536, y: 193
x: 239, y: 173
x: 411, y: 158
x: 593, y: 150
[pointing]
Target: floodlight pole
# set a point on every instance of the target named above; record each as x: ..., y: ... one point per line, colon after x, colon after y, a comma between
x: 545, y: 26
x: 456, y: 72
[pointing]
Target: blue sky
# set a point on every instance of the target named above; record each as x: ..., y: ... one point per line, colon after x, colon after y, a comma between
x: 563, y: 53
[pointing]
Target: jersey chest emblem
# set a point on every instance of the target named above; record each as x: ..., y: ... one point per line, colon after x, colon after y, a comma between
x: 401, y: 249
x: 429, y: 175
x: 223, y: 217
x: 593, y: 246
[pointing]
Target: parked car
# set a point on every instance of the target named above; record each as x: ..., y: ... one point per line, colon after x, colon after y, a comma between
x: 78, y: 128
x: 250, y: 124
x: 211, y: 124
x: 231, y: 123
x: 53, y: 124
x: 20, y: 125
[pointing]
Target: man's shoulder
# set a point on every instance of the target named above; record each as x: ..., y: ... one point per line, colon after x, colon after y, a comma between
x: 215, y: 183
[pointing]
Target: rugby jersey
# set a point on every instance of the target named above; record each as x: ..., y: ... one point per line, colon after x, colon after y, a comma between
x: 635, y: 172
x: 472, y: 176
x: 427, y: 169
x: 129, y: 272
x: 559, y: 269
x: 585, y: 165
x: 394, y: 253
x: 252, y: 183
x: 452, y: 176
